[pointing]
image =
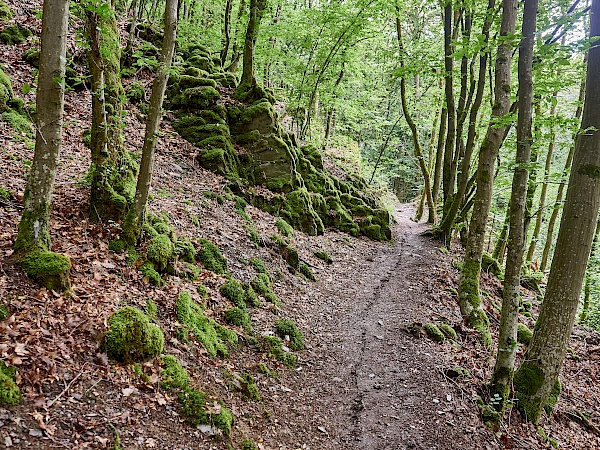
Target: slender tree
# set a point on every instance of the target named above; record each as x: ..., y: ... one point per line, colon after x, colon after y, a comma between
x: 536, y: 382
x: 469, y: 297
x: 507, y: 341
x: 32, y: 245
x: 248, y: 85
x: 135, y: 216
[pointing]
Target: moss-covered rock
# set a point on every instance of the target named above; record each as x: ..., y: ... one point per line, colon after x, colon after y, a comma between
x: 14, y: 34
x: 19, y: 122
x: 49, y: 269
x: 258, y: 265
x: 262, y: 285
x: 9, y: 391
x: 5, y: 12
x: 131, y: 336
x: 305, y: 270
x: 324, y: 256
x: 233, y: 291
x: 214, y: 337
x: 250, y: 297
x: 524, y: 334
x: 200, y: 97
x: 195, y: 406
x: 225, y: 79
x: 189, y: 81
x: 288, y: 328
x: 434, y: 332
x: 211, y: 257
x: 284, y: 228
x: 160, y: 251
x: 273, y: 346
x: 149, y: 272
x: 239, y: 317
x: 173, y: 375
x: 448, y: 331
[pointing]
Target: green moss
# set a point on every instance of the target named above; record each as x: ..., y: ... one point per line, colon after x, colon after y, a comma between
x: 289, y: 253
x: 148, y: 271
x: 5, y: 194
x: 202, y: 291
x: 306, y: 271
x: 117, y: 246
x: 173, y: 375
x: 209, y: 333
x: 160, y: 251
x: 299, y: 212
x: 131, y: 337
x: 553, y: 397
x: 5, y: 12
x: 448, y: 330
x: 322, y: 255
x: 14, y: 34
x: 19, y: 123
x: 184, y: 250
x: 273, y: 347
x: 151, y: 308
x: 288, y: 328
x: 211, y: 257
x: 248, y: 387
x: 490, y: 264
x: 524, y: 334
x: 9, y: 391
x: 262, y: 285
x: 469, y: 295
x: 250, y: 297
x: 527, y: 381
x: 32, y: 56
x: 49, y: 269
x: 262, y: 368
x: 284, y: 228
x: 258, y: 265
x: 434, y: 332
x: 194, y: 409
x: 200, y: 97
x: 3, y: 312
x: 239, y: 317
x: 233, y: 291
x: 247, y: 444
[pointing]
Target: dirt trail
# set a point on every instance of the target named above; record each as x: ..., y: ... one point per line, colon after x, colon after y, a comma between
x: 369, y: 382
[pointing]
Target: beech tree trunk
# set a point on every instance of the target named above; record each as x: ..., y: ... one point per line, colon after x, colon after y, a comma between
x: 536, y: 381
x: 226, y: 32
x: 113, y: 169
x: 449, y: 173
x: 136, y: 214
x: 248, y: 79
x: 507, y: 341
x: 34, y: 232
x: 469, y: 297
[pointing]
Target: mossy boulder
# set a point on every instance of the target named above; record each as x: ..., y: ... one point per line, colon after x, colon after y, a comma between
x: 9, y: 391
x: 233, y: 291
x: 151, y: 274
x: 189, y: 81
x: 434, y: 332
x: 131, y: 336
x: 202, y: 63
x: 287, y: 328
x: 261, y: 284
x: 225, y: 79
x: 211, y: 257
x: 306, y: 271
x: 5, y: 12
x: 32, y: 56
x: 194, y: 408
x: 14, y: 34
x: 200, y: 97
x: 160, y: 251
x: 49, y: 269
x: 324, y: 256
x: 273, y: 346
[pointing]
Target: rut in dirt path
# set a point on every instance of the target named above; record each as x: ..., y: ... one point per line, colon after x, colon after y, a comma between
x: 372, y: 384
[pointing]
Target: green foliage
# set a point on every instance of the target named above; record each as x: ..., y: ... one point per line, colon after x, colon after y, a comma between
x: 202, y: 291
x: 173, y: 375
x: 249, y: 445
x: 148, y: 271
x: 264, y: 369
x: 135, y: 92
x: 151, y: 308
x: 131, y: 337
x: 3, y: 312
x: 214, y: 337
x: 211, y: 257
x: 9, y: 391
x: 5, y: 194
x: 117, y: 246
x: 288, y: 328
x: 5, y: 12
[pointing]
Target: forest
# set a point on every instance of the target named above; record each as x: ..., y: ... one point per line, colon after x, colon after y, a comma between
x: 213, y: 216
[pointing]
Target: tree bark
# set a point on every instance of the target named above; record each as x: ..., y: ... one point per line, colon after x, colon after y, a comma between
x: 226, y: 32
x: 248, y: 80
x: 507, y: 341
x: 449, y: 172
x: 34, y: 231
x: 469, y: 297
x: 537, y: 378
x: 136, y: 214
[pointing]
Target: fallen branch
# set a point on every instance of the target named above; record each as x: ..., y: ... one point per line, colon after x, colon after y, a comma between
x: 579, y: 417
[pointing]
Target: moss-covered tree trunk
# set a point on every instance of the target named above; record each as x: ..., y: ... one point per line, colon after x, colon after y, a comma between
x: 113, y: 169
x: 502, y: 376
x: 32, y: 245
x: 536, y: 382
x: 135, y: 215
x: 248, y: 80
x: 469, y: 297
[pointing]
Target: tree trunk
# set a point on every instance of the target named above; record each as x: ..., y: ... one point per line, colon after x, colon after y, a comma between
x: 33, y: 237
x: 113, y: 169
x: 439, y: 155
x: 561, y: 187
x: 248, y: 80
x: 445, y: 227
x: 413, y: 128
x: 536, y: 382
x: 449, y: 172
x: 507, y: 341
x: 135, y: 217
x: 226, y: 32
x: 469, y: 297
x: 589, y: 272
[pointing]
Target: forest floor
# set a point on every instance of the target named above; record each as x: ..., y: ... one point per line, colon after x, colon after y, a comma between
x: 369, y: 378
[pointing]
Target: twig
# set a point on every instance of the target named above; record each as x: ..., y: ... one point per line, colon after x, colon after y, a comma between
x: 579, y: 417
x: 65, y: 389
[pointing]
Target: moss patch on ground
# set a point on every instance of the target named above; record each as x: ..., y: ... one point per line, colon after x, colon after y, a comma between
x: 194, y: 404
x: 233, y: 291
x: 262, y: 286
x: 211, y: 257
x: 273, y: 346
x: 288, y: 328
x: 14, y: 34
x: 173, y: 375
x: 214, y: 337
x: 131, y: 336
x: 9, y: 391
x: 434, y: 332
